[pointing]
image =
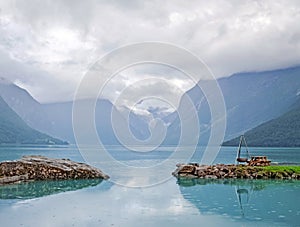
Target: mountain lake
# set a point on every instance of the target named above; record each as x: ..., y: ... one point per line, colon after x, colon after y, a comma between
x: 171, y: 202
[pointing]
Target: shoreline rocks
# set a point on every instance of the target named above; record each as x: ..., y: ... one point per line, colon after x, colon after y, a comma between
x: 36, y: 168
x: 222, y: 171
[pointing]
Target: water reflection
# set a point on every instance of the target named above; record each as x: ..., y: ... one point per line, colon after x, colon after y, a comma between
x: 240, y: 192
x: 43, y: 188
x: 249, y: 200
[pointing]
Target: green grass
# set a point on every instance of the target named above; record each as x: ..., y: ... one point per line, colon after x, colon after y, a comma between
x: 295, y: 169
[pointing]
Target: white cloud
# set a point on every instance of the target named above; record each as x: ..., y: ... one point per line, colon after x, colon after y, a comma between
x: 61, y: 39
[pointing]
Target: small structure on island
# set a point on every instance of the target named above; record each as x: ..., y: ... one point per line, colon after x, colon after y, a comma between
x: 238, y: 156
x: 253, y: 160
x: 259, y: 161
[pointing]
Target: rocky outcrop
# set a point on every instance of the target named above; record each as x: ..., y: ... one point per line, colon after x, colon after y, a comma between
x: 33, y: 168
x: 222, y: 171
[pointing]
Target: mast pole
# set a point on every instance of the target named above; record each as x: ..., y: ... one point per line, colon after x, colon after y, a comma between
x: 239, y: 149
x: 248, y: 155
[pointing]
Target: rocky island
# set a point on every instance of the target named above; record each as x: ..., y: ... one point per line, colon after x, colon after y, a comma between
x: 36, y: 168
x: 222, y: 171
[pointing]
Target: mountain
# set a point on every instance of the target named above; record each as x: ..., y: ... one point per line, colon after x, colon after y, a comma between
x: 283, y: 131
x: 250, y: 98
x: 55, y: 119
x: 25, y: 106
x: 254, y: 98
x: 60, y: 115
x: 13, y: 130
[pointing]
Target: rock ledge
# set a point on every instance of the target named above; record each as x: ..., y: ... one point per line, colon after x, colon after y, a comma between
x: 222, y: 171
x: 33, y: 168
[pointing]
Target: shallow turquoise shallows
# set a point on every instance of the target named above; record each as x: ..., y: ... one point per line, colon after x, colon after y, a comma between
x: 187, y: 202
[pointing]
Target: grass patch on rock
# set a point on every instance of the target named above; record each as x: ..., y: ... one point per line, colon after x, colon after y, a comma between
x: 294, y: 169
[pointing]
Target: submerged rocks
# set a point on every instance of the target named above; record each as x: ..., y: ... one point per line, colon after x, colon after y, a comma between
x: 222, y: 171
x: 31, y: 168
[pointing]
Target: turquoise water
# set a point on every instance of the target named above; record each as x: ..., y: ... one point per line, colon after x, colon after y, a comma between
x: 171, y: 203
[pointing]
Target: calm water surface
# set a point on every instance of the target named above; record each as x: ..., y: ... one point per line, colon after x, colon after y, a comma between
x: 172, y: 203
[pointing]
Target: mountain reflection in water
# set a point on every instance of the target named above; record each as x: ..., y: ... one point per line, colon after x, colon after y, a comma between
x: 251, y: 200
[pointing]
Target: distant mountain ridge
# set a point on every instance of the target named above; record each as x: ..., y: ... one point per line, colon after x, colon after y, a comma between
x: 251, y: 99
x: 30, y: 110
x: 13, y: 130
x: 283, y: 131
x: 55, y: 119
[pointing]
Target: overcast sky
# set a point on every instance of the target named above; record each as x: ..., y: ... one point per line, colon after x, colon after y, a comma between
x: 47, y: 46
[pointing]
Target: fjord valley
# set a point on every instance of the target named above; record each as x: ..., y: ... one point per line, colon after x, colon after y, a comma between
x: 270, y: 98
x: 149, y: 113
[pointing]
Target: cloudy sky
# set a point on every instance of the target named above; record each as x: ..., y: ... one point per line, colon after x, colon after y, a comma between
x: 47, y: 46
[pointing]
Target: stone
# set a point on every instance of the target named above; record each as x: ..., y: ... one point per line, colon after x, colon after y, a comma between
x: 221, y: 171
x: 201, y: 173
x: 13, y: 179
x: 31, y: 168
x: 187, y: 169
x: 211, y: 177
